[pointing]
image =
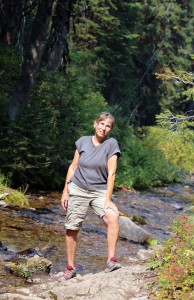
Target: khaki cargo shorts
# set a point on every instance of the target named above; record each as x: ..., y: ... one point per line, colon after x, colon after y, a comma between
x: 79, y: 202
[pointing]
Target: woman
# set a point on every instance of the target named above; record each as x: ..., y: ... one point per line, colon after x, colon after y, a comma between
x: 90, y: 182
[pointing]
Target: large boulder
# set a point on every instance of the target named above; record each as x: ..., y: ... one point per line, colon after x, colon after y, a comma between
x: 132, y: 232
x: 126, y: 283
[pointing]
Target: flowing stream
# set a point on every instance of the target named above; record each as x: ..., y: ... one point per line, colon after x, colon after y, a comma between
x: 41, y: 228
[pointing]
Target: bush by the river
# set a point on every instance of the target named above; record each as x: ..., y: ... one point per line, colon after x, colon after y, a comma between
x: 177, y: 146
x: 175, y: 262
x: 155, y: 156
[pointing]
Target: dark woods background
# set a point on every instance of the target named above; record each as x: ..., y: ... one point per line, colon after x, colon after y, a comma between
x: 63, y: 62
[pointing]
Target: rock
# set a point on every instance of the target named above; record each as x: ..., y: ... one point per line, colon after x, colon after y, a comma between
x: 130, y: 231
x: 37, y: 280
x: 37, y: 260
x: 189, y: 181
x: 99, y: 286
x: 129, y: 282
x: 28, y: 268
x: 136, y: 219
x: 20, y: 255
x: 140, y: 298
x: 189, y: 210
x: 24, y: 291
x: 145, y: 254
x: 19, y: 297
x: 3, y: 195
x: 2, y: 248
x: 177, y: 206
x: 15, y: 206
x: 3, y: 290
x: 132, y: 260
x: 3, y: 203
x: 27, y: 253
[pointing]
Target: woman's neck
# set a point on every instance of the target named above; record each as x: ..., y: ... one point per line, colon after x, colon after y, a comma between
x: 97, y: 140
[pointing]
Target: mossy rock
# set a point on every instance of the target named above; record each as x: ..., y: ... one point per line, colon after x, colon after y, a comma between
x: 14, y: 197
x: 136, y: 219
x: 29, y: 267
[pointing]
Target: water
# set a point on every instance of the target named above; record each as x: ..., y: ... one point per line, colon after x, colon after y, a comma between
x: 42, y: 228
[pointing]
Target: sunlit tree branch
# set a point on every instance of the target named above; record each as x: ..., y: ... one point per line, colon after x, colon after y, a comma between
x: 168, y: 119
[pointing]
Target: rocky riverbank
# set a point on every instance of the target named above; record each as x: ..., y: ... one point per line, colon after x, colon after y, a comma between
x: 134, y: 281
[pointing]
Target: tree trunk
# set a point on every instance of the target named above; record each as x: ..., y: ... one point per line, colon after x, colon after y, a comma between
x: 11, y: 21
x: 57, y: 47
x: 32, y: 59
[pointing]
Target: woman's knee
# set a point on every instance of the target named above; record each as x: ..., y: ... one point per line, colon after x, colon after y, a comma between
x: 111, y: 218
x: 72, y: 233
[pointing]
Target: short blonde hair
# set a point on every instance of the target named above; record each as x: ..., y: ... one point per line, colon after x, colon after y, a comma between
x: 105, y: 115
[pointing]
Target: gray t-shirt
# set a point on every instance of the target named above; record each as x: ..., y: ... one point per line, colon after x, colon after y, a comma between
x: 92, y: 172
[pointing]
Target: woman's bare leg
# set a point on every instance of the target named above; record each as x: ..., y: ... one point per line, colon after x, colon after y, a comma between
x: 71, y: 246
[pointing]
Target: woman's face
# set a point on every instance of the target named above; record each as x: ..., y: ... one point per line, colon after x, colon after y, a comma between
x: 103, y: 127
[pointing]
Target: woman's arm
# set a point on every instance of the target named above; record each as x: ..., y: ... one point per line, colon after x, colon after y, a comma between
x: 112, y: 167
x: 73, y: 166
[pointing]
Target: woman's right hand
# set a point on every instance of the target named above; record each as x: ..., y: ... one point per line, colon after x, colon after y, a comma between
x: 70, y: 173
x: 64, y: 200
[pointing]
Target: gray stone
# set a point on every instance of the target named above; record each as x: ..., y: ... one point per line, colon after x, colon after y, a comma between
x: 3, y: 195
x: 37, y: 260
x: 130, y: 231
x: 23, y: 291
x: 9, y: 296
x: 3, y: 203
x: 37, y: 280
x: 125, y: 283
x: 189, y: 210
x: 177, y: 206
x: 139, y: 298
x: 143, y: 254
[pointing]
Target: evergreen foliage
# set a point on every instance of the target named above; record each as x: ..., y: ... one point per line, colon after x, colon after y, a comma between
x: 166, y: 40
x: 114, y: 50
x: 37, y: 149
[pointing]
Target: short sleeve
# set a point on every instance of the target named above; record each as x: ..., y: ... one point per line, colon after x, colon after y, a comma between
x: 79, y: 144
x: 114, y: 148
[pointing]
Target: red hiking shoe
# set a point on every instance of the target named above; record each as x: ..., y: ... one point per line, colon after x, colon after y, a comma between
x: 69, y: 273
x: 112, y: 265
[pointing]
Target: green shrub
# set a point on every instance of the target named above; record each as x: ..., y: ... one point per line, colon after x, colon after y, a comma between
x: 17, y: 198
x: 176, y: 262
x: 142, y: 165
x: 3, y: 179
x: 155, y: 156
x: 14, y: 197
x: 177, y: 147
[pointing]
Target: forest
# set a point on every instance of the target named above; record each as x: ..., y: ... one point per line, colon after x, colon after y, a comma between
x: 63, y: 62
